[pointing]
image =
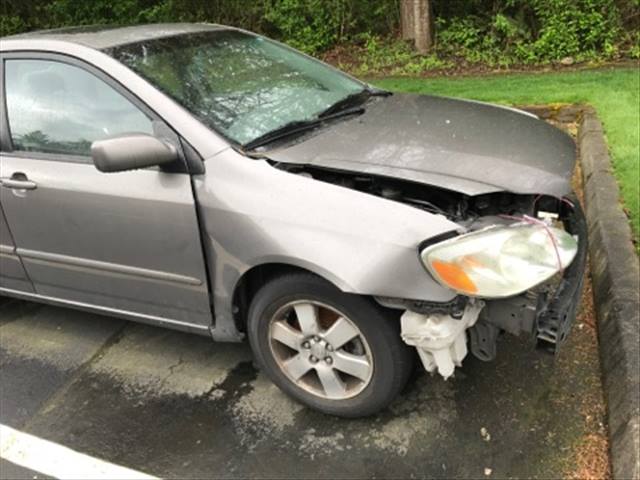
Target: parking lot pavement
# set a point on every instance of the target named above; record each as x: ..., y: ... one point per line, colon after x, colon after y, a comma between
x: 176, y: 405
x: 41, y: 349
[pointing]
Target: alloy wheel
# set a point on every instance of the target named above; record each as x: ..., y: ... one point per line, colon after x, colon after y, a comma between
x: 320, y: 350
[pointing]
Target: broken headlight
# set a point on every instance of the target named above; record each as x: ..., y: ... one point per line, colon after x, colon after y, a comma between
x: 500, y: 261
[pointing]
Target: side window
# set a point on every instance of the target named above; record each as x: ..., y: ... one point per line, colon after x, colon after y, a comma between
x: 54, y: 107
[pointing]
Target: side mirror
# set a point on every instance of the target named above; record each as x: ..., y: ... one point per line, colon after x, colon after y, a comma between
x: 130, y: 152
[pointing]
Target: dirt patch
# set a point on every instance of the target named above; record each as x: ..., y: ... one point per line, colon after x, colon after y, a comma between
x: 589, y: 458
x: 591, y: 462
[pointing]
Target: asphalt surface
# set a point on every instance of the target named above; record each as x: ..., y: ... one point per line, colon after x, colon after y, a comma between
x: 176, y: 405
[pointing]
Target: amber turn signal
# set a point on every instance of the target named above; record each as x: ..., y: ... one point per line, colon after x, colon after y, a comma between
x: 454, y: 277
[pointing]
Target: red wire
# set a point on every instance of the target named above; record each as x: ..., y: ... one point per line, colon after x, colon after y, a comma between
x: 535, y: 221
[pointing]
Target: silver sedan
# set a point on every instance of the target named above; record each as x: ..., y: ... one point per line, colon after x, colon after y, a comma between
x: 207, y: 179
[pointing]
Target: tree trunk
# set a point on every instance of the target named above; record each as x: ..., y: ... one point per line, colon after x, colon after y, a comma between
x: 407, y: 23
x: 422, y: 26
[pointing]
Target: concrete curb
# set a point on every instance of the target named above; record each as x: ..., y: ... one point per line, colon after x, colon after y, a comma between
x: 616, y: 277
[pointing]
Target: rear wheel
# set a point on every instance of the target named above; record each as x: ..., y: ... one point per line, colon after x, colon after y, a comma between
x: 338, y: 353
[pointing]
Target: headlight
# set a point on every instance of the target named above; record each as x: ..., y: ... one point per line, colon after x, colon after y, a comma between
x: 500, y: 261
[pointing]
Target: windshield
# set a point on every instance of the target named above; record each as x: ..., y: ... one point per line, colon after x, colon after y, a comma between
x: 241, y: 85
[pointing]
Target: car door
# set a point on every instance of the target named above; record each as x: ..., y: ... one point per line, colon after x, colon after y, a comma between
x: 12, y: 273
x: 127, y: 242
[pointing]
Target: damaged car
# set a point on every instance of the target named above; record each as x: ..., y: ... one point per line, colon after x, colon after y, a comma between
x: 207, y: 179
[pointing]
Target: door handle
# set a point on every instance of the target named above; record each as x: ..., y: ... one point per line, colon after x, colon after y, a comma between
x: 18, y: 181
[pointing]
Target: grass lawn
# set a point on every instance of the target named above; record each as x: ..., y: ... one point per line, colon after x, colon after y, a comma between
x: 615, y: 93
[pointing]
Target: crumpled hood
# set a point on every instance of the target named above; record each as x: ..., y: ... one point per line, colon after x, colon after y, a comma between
x: 466, y: 146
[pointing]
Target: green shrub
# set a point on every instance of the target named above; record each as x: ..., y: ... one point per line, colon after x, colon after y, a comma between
x: 10, y: 24
x: 377, y: 54
x: 458, y: 33
x: 316, y: 25
x: 311, y: 26
x: 532, y: 31
x: 576, y: 27
x: 634, y: 50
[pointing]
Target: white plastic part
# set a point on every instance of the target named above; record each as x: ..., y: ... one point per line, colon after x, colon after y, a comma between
x: 440, y: 339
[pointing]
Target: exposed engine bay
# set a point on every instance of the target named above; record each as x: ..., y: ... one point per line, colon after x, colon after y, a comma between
x: 441, y: 331
x: 470, y: 212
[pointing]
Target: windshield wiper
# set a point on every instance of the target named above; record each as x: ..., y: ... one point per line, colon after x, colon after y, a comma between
x: 354, y: 99
x: 297, y: 126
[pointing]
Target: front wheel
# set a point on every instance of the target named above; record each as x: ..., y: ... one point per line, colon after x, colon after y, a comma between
x: 338, y: 353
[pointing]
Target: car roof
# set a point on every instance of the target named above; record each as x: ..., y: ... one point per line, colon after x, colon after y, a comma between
x: 106, y: 36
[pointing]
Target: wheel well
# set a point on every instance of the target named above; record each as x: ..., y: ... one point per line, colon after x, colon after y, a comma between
x: 250, y: 283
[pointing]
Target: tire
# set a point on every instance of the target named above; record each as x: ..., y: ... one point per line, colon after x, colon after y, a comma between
x: 377, y: 361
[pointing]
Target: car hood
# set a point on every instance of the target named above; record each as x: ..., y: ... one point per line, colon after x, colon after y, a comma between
x: 466, y: 146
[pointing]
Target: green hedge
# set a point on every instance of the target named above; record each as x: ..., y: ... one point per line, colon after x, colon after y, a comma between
x: 483, y: 31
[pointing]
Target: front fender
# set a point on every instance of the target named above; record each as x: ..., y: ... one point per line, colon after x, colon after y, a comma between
x: 254, y: 214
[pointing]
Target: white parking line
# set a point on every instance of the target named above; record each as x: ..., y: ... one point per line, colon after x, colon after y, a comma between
x: 58, y: 461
